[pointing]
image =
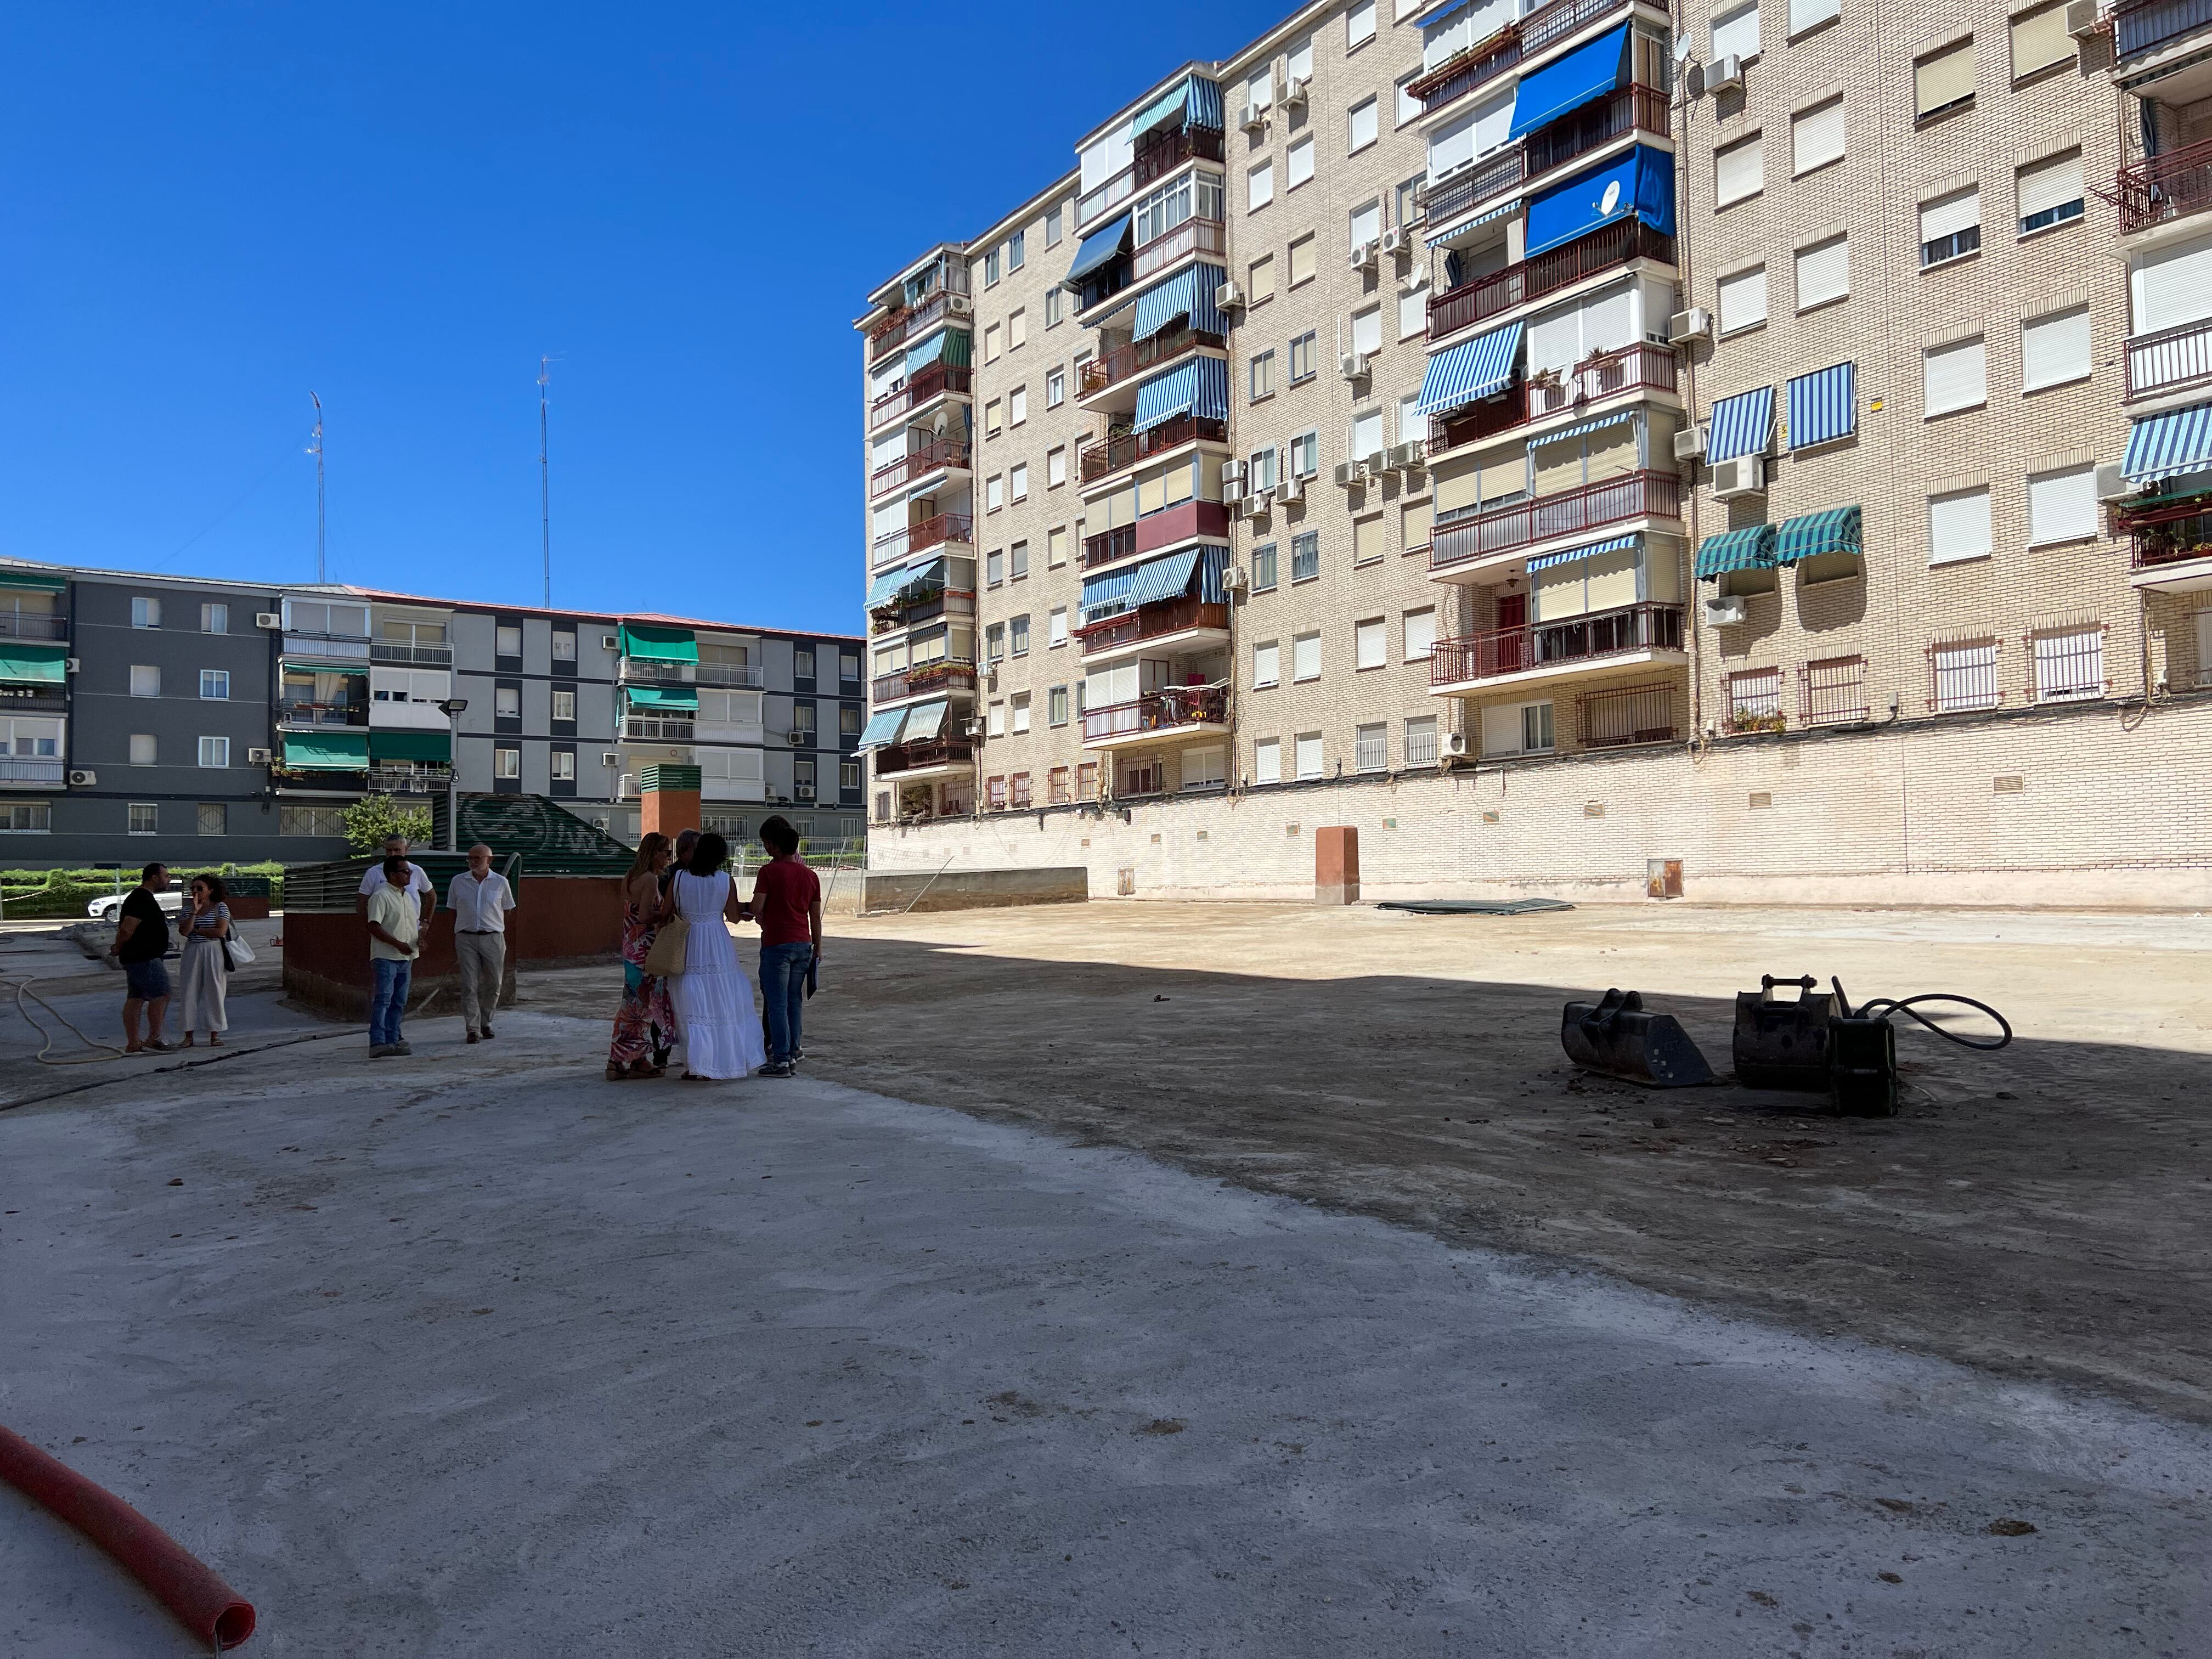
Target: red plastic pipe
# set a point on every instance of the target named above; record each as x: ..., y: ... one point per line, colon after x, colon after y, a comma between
x: 208, y: 1608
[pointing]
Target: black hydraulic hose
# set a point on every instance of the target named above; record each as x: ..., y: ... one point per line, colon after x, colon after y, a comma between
x: 1903, y: 1006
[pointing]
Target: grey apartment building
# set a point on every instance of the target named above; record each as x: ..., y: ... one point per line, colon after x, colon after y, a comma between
x: 204, y: 721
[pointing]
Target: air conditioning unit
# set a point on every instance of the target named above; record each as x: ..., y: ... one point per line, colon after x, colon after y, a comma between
x: 1291, y: 488
x: 1725, y: 613
x: 610, y: 641
x: 959, y: 305
x: 1373, y: 466
x: 83, y: 780
x: 803, y: 791
x: 71, y: 664
x: 1227, y: 296
x: 1683, y: 326
x: 269, y: 619
x: 1351, y: 365
x: 1402, y: 458
x: 1348, y: 472
x: 1294, y: 91
x: 1393, y: 240
x: 1232, y: 474
x: 972, y: 726
x: 796, y: 735
x: 1257, y: 503
x: 1234, y: 580
x: 2084, y: 17
x: 1363, y: 255
x: 1725, y: 74
x: 1689, y: 443
x: 2110, y: 486
x: 259, y: 757
x: 1744, y: 476
x: 1451, y: 745
x: 1252, y: 117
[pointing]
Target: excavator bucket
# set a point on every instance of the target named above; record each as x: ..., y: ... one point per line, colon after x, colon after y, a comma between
x: 1617, y: 1036
x: 1863, y: 1067
x: 1783, y: 1044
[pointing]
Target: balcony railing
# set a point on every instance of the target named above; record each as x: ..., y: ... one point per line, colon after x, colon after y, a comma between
x: 927, y: 606
x: 651, y: 671
x: 295, y: 711
x: 1108, y: 545
x: 32, y: 625
x: 955, y: 377
x: 2172, y: 535
x: 2169, y: 186
x: 410, y: 780
x: 413, y: 655
x: 344, y: 648
x: 2175, y: 360
x: 1106, y: 457
x: 1135, y: 358
x: 1557, y: 644
x: 1493, y: 175
x: 656, y: 728
x: 913, y: 756
x: 1629, y: 109
x: 1158, y: 711
x: 932, y: 456
x: 1464, y: 72
x: 1164, y: 156
x: 1153, y: 622
x: 1639, y: 366
x: 904, y: 323
x: 33, y: 769
x: 1608, y: 245
x: 1524, y: 524
x: 948, y: 674
x: 41, y: 699
x: 920, y: 538
x: 2140, y: 25
x: 1485, y: 420
x: 1191, y: 236
x: 1091, y: 204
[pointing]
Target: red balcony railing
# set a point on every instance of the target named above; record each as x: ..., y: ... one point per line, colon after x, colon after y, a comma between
x: 927, y: 606
x: 1493, y: 175
x: 2171, y: 534
x: 920, y: 464
x: 1641, y: 366
x: 1608, y: 245
x: 1506, y: 529
x: 930, y: 532
x: 1483, y: 421
x: 2174, y: 360
x: 1629, y: 109
x: 1557, y: 644
x: 1153, y: 622
x: 2169, y: 186
x: 1107, y: 456
x: 913, y: 756
x: 32, y: 625
x: 1108, y: 545
x: 1464, y: 72
x: 2138, y: 25
x: 1136, y: 357
x: 1164, y: 156
x: 1191, y: 236
x: 1158, y: 711
x: 948, y: 674
x: 956, y: 378
x: 902, y: 326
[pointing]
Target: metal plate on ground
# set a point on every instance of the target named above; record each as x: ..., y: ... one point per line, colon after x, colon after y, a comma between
x: 1475, y: 906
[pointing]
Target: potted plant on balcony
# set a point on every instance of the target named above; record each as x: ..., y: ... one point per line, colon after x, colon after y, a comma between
x: 1743, y: 725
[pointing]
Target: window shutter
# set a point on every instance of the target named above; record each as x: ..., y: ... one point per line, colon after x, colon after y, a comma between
x: 1956, y: 377
x: 2055, y: 349
x: 1305, y: 656
x: 1266, y: 664
x: 2062, y: 506
x: 1946, y: 215
x: 1302, y: 260
x: 2052, y: 184
x: 1944, y: 79
x: 1452, y: 146
x: 1608, y: 322
x: 1300, y: 162
x: 1555, y: 341
x: 1368, y: 650
x: 1743, y: 300
x: 1804, y: 13
x: 1493, y: 124
x: 1735, y: 33
x: 2039, y: 39
x: 1740, y: 171
x: 2173, y: 289
x: 1816, y: 137
x: 1824, y: 272
x: 1958, y: 526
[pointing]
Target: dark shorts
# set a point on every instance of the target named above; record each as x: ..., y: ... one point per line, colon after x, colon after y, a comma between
x: 148, y: 980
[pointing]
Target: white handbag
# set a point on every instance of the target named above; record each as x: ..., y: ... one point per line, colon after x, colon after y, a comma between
x: 240, y: 952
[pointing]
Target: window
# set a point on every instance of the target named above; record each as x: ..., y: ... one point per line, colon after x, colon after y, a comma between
x: 1055, y: 306
x: 1020, y: 628
x: 2039, y: 40
x: 1807, y: 13
x: 1409, y: 198
x: 2050, y: 192
x: 1816, y: 136
x: 1958, y: 525
x: 1413, y: 519
x: 1260, y: 280
x: 1740, y: 171
x: 564, y: 707
x: 1421, y: 740
x: 1260, y: 87
x: 994, y: 493
x: 27, y: 818
x: 1304, y: 458
x: 848, y: 776
x: 1412, y: 312
x: 1017, y: 482
x: 1754, y: 698
x: 1086, y: 780
x: 1297, y: 62
x: 1370, y: 649
x: 1518, y: 729
x: 1407, y: 107
x: 1421, y: 633
x: 1360, y: 122
x: 2070, y: 666
x: 1263, y: 376
x: 1735, y: 31
x: 1367, y: 330
x: 326, y: 821
x: 1055, y: 387
x: 1266, y: 664
x: 507, y: 763
x: 848, y: 667
x: 1258, y: 186
x: 1303, y: 352
x: 1305, y: 555
x: 1055, y: 706
x: 1306, y: 657
x: 1309, y: 754
x: 1205, y: 769
x: 1268, y: 761
x: 1018, y: 330
x: 507, y: 641
x: 1018, y: 714
x: 1824, y: 272
x: 994, y: 642
x: 212, y: 819
x: 1018, y: 406
x: 802, y: 663
x: 1358, y: 24
x: 991, y: 268
x: 1366, y: 433
x: 1944, y: 81
x: 1954, y: 377
x: 1018, y: 561
x: 991, y: 337
x: 1370, y: 747
x: 994, y: 568
x: 2055, y: 349
x: 1259, y: 471
x: 1016, y: 244
x: 145, y: 613
x: 564, y: 646
x: 215, y: 685
x: 1055, y: 546
x: 143, y: 818
x: 2062, y: 506
x: 1965, y: 675
x: 310, y: 617
x: 848, y: 720
x: 145, y: 680
x: 215, y: 619
x: 995, y: 419
x: 1052, y: 227
x: 995, y: 720
x: 1366, y: 539
x: 144, y: 750
x: 1743, y: 300
x: 1263, y: 567
x: 1299, y: 163
x: 1302, y: 260
x: 215, y: 751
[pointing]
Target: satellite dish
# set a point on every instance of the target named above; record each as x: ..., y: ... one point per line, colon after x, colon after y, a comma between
x: 1681, y: 48
x: 1611, y: 201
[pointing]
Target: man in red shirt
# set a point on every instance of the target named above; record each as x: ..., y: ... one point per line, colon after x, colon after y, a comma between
x: 787, y: 902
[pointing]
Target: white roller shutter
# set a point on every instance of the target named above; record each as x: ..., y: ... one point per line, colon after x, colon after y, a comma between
x: 1816, y: 137
x: 1824, y: 272
x: 1955, y: 377
x: 1804, y: 13
x: 2062, y: 506
x: 1501, y: 729
x: 1743, y: 300
x: 888, y: 519
x: 1555, y: 341
x: 888, y: 449
x: 1950, y: 215
x: 2055, y: 349
x: 2172, y: 288
x: 1452, y: 146
x: 1958, y: 526
x: 1740, y: 171
x: 2049, y: 184
x: 1608, y: 321
x: 1735, y: 33
x: 1494, y: 124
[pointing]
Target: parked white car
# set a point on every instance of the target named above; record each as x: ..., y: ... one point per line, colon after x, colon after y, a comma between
x: 105, y: 910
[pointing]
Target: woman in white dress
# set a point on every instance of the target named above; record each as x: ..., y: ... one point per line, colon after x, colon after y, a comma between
x: 713, y: 999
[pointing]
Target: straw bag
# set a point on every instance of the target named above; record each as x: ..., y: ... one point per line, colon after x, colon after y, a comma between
x: 665, y: 955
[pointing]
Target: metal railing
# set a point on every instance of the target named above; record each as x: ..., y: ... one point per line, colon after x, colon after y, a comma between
x: 904, y: 323
x: 1557, y: 644
x: 1485, y: 420
x: 1615, y: 719
x: 942, y: 452
x: 1503, y: 529
x: 406, y: 651
x: 2173, y: 360
x: 34, y: 769
x: 653, y: 728
x: 2168, y: 186
x: 1116, y: 191
x: 934, y: 752
x: 955, y: 377
x: 1138, y: 355
x: 348, y: 647
x: 1191, y: 236
x: 410, y: 780
x: 1467, y: 68
x: 1833, y: 692
x: 2176, y: 536
x: 2138, y: 25
x: 920, y: 538
x: 1152, y: 622
x: 44, y: 699
x: 1493, y: 175
x: 1641, y: 366
x: 293, y: 711
x: 1107, y: 456
x: 1164, y: 156
x: 32, y: 625
x: 1616, y: 244
x: 1108, y: 545
x: 946, y: 674
x: 1628, y: 109
x: 652, y: 671
x: 932, y: 604
x: 1157, y: 711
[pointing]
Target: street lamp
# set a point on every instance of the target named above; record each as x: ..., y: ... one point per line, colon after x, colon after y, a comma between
x: 452, y: 709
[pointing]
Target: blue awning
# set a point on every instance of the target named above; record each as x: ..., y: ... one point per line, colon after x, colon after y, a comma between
x: 1599, y: 425
x: 1823, y: 405
x: 1751, y: 547
x: 922, y: 356
x: 1642, y: 182
x: 1169, y: 106
x: 1573, y: 553
x: 1470, y: 371
x: 1434, y: 14
x: 924, y: 720
x: 1743, y: 425
x: 1213, y: 568
x: 881, y: 589
x: 1108, y: 594
x: 1568, y: 82
x: 921, y: 574
x: 1459, y: 227
x: 2165, y: 446
x: 1099, y: 250
x: 1202, y: 107
x: 1835, y: 531
x: 882, y: 728
x: 1199, y: 388
x: 1167, y: 578
x: 1187, y: 294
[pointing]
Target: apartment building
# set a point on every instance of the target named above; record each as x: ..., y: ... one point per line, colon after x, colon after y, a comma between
x: 154, y: 715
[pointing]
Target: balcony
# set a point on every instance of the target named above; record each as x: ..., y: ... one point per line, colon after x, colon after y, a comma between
x: 1484, y: 421
x: 2141, y: 26
x: 650, y: 670
x: 938, y: 753
x: 299, y: 712
x: 1549, y: 650
x: 907, y: 321
x: 1604, y: 249
x: 1176, y: 711
x: 1464, y: 72
x: 1642, y: 367
x: 1191, y: 236
x: 1508, y: 531
x: 1121, y: 362
x: 657, y: 728
x: 1493, y: 175
x: 938, y: 380
x: 328, y: 647
x: 936, y: 531
x: 941, y: 455
x: 401, y: 652
x: 1105, y: 456
x: 2169, y: 186
x: 1163, y: 156
x: 410, y: 780
x: 2175, y: 360
x: 1160, y: 621
x: 1119, y: 543
x: 33, y: 772
x: 41, y: 698
x: 927, y: 606
x: 1626, y: 110
x: 2170, y: 547
x: 949, y: 674
x: 32, y: 625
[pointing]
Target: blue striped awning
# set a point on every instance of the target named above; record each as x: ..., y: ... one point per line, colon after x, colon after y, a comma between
x: 1459, y: 227
x: 1202, y: 107
x: 1108, y: 594
x: 2165, y: 446
x: 1835, y: 531
x: 1166, y: 578
x: 922, y: 356
x: 1168, y: 107
x: 1743, y: 425
x: 1470, y: 371
x: 1586, y: 427
x: 882, y: 728
x: 1200, y: 387
x: 1573, y: 553
x: 1099, y: 249
x: 1188, y: 293
x: 923, y: 720
x: 1213, y: 568
x: 881, y: 589
x: 1568, y: 83
x: 1751, y: 547
x: 1823, y: 405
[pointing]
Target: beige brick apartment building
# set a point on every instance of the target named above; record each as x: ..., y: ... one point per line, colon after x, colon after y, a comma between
x: 1568, y: 439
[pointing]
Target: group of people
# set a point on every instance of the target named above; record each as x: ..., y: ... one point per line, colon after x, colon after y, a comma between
x: 141, y: 948
x: 397, y: 902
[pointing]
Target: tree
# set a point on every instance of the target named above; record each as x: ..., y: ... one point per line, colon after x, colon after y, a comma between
x: 374, y: 819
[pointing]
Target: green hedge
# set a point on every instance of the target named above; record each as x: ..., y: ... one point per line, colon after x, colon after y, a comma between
x: 40, y: 894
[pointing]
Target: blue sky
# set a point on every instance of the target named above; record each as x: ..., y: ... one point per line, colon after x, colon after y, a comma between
x: 209, y: 211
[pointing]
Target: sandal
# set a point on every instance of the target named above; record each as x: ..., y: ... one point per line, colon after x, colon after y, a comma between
x: 134, y: 1049
x: 619, y: 1074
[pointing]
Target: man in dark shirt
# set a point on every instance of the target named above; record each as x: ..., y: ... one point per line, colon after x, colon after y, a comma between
x: 142, y: 939
x: 787, y: 902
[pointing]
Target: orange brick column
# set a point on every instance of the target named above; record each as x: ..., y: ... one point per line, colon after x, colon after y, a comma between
x: 668, y: 799
x: 1336, y: 865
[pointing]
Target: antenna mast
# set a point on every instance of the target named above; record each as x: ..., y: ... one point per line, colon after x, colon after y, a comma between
x: 316, y: 450
x: 544, y: 482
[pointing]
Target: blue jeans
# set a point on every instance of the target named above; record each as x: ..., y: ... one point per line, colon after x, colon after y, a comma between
x: 783, y: 993
x: 390, y: 1000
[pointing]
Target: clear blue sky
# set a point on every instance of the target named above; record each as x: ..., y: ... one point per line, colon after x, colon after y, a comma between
x: 209, y: 211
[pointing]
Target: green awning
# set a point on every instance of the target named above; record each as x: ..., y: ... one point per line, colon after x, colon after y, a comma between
x: 46, y: 582
x: 327, y: 751
x: 1836, y: 531
x: 412, y: 744
x: 1751, y: 547
x: 658, y: 644
x: 683, y: 697
x: 321, y: 665
x: 33, y: 665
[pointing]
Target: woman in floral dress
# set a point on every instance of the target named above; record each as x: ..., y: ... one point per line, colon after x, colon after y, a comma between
x: 645, y: 1030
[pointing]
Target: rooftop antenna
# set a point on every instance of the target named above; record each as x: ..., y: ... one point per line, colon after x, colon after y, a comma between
x: 544, y: 482
x: 315, y: 449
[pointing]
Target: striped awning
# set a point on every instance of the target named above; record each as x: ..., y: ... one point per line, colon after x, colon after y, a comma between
x: 882, y: 727
x: 1835, y: 531
x: 1573, y: 553
x: 1167, y: 578
x: 923, y: 720
x: 1470, y: 371
x: 1188, y: 293
x: 1099, y: 249
x: 1459, y: 227
x: 1200, y: 388
x: 2165, y: 446
x: 881, y: 589
x: 1108, y: 594
x: 1167, y: 107
x: 1823, y: 405
x: 1743, y: 425
x: 1751, y: 547
x: 1202, y: 105
x: 678, y: 698
x: 1585, y: 428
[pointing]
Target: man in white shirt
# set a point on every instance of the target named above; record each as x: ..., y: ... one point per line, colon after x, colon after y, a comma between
x: 479, y: 898
x: 418, y: 884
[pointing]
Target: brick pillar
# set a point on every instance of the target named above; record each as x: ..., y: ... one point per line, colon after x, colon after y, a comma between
x: 1336, y: 865
x: 668, y: 797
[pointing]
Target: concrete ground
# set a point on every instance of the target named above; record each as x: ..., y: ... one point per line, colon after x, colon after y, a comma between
x: 475, y: 1353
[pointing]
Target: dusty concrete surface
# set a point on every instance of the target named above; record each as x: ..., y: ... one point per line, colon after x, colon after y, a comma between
x: 477, y: 1353
x: 2042, y: 1211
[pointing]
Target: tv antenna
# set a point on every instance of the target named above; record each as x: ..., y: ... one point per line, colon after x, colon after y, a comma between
x: 315, y: 449
x: 544, y: 481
